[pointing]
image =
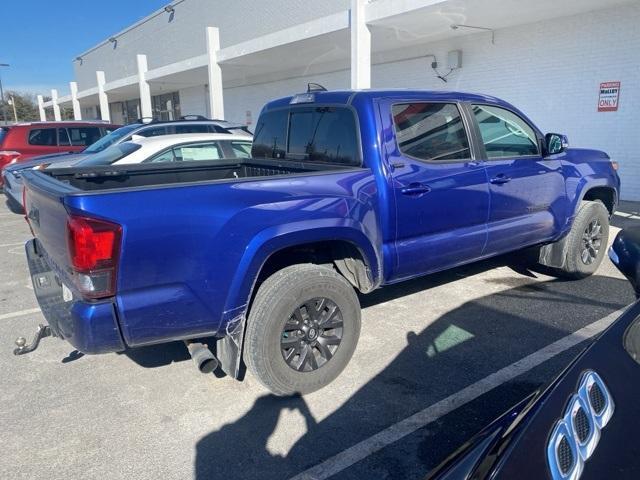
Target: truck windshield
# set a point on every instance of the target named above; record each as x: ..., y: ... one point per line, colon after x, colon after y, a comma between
x: 308, y: 133
x: 110, y: 155
x: 110, y: 139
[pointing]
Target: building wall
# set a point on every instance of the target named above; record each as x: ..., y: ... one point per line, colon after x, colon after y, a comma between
x: 551, y: 70
x: 193, y: 101
x: 183, y: 35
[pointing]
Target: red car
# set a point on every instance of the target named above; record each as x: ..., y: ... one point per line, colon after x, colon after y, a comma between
x: 26, y: 140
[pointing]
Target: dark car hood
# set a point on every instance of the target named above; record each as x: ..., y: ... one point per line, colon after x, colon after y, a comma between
x: 46, y: 159
x: 515, y: 445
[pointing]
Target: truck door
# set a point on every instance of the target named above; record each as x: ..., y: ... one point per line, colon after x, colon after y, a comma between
x: 440, y: 189
x: 528, y: 198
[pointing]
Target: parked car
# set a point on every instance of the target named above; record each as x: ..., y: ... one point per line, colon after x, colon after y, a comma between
x: 23, y: 141
x: 11, y: 175
x: 584, y: 423
x: 186, y: 147
x: 344, y: 191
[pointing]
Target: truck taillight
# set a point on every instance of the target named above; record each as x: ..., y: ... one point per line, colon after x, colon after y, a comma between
x: 94, y: 249
x: 7, y: 157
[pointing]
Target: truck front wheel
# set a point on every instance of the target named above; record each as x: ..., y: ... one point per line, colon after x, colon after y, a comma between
x: 587, y: 240
x: 302, y: 329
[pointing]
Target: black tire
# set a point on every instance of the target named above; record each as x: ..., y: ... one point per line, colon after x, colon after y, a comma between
x: 579, y: 264
x: 280, y: 304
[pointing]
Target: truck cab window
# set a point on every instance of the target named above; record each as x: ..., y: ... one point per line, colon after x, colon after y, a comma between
x: 431, y: 131
x: 504, y: 133
x: 316, y: 134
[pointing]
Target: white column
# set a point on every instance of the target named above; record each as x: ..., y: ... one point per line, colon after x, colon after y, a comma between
x: 77, y: 112
x: 216, y: 100
x: 143, y: 85
x: 102, y: 96
x: 43, y: 114
x: 56, y: 108
x: 360, y: 46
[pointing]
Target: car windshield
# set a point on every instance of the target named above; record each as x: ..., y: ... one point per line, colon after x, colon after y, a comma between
x: 110, y: 139
x: 109, y: 155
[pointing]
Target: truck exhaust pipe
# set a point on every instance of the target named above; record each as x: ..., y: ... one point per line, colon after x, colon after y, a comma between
x: 204, y: 359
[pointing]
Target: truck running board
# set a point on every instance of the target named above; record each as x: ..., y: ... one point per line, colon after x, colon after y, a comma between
x: 21, y: 342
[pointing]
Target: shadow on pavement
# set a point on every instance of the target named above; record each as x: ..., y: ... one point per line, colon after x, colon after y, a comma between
x: 461, y: 347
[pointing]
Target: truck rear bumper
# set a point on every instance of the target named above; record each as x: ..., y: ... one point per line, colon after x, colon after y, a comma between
x: 91, y: 327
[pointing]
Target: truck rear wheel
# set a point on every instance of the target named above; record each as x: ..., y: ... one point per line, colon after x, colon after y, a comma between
x: 302, y: 330
x: 587, y: 241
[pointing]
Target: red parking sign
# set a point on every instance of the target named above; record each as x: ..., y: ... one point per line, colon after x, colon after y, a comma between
x: 609, y: 96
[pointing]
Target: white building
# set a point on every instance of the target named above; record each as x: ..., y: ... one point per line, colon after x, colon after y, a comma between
x: 226, y: 59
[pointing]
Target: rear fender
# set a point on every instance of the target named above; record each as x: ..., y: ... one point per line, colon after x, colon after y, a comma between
x: 267, y: 243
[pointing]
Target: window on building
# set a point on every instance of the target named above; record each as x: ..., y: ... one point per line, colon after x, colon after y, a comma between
x: 431, y: 131
x: 504, y: 133
x: 43, y: 137
x: 166, y: 106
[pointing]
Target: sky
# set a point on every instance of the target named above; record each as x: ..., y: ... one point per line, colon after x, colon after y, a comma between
x: 40, y: 38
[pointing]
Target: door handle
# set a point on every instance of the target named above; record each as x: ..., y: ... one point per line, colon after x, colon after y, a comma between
x: 500, y: 179
x: 416, y: 189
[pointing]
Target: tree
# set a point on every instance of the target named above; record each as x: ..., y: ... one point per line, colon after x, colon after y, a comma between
x: 25, y: 103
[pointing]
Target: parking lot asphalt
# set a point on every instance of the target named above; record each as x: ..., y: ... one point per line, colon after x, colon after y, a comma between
x: 438, y: 359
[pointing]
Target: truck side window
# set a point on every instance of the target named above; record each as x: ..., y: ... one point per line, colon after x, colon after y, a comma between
x: 431, y: 131
x: 504, y: 133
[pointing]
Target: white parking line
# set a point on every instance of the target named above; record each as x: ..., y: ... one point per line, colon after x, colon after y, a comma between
x: 632, y: 216
x: 19, y: 313
x: 395, y: 432
x: 11, y: 244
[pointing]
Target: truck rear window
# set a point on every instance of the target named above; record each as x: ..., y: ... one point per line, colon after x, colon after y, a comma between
x: 312, y: 133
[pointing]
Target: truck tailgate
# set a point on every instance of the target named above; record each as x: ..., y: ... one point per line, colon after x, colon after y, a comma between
x: 47, y: 216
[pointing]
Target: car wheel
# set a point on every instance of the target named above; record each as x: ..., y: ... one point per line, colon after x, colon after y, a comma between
x: 587, y: 241
x: 302, y: 329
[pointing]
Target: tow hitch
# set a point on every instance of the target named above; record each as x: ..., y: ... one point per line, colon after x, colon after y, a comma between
x: 21, y: 342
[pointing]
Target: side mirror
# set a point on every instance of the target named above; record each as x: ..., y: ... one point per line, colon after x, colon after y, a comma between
x: 625, y: 255
x: 555, y: 143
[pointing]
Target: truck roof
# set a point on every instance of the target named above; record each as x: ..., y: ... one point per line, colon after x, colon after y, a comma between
x: 348, y: 96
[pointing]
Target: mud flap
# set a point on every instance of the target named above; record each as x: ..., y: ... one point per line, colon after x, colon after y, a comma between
x: 229, y: 348
x: 554, y: 255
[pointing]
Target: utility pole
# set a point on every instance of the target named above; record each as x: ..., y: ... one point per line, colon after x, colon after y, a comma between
x: 13, y: 103
x: 4, y: 107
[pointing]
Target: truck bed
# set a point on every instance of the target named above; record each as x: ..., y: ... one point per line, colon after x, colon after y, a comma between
x: 147, y: 175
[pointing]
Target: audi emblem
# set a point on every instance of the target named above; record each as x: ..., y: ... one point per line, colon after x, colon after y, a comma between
x: 576, y: 435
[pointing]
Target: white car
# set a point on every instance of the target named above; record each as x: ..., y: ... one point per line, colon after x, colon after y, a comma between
x: 171, y: 148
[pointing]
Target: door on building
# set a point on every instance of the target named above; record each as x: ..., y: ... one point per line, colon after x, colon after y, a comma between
x: 526, y: 189
x: 166, y: 106
x: 441, y: 191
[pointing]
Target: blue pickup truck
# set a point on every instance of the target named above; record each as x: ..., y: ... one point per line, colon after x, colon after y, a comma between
x: 345, y: 192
